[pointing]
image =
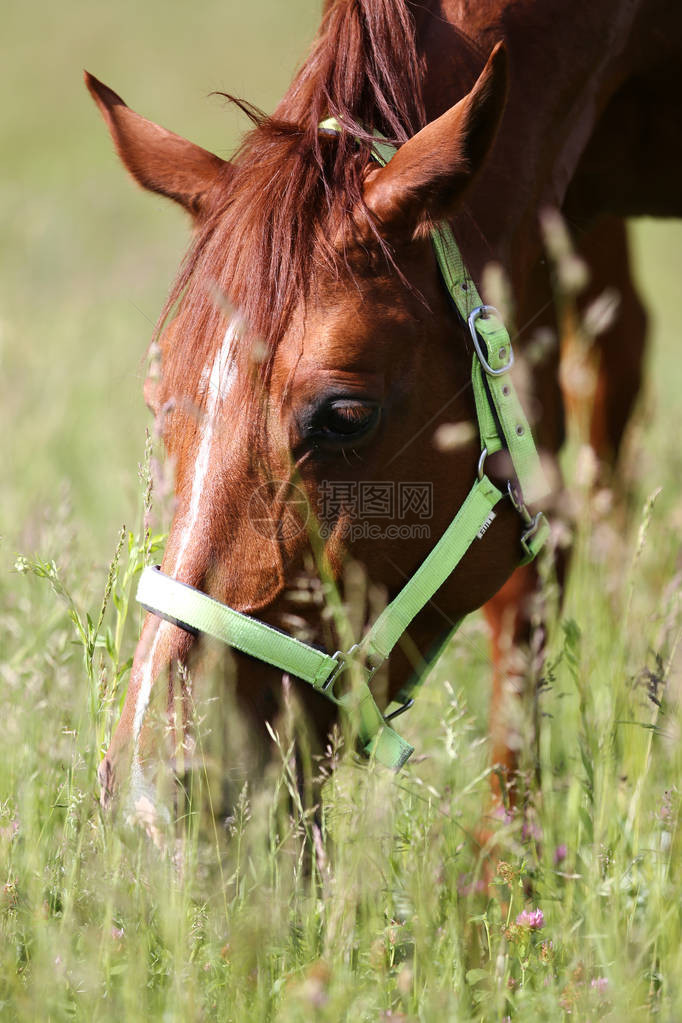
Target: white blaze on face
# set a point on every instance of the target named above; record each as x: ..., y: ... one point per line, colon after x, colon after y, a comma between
x: 218, y: 383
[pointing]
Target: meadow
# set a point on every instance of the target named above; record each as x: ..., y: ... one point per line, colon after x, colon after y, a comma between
x: 380, y: 907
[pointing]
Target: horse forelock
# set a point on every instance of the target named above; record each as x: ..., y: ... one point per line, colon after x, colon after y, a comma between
x: 273, y: 220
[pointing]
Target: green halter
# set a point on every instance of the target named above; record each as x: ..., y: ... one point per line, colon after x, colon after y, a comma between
x: 344, y: 677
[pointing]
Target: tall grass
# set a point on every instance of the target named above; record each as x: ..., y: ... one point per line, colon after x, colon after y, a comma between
x: 381, y: 906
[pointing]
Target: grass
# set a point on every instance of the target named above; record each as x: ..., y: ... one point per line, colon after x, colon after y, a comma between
x: 376, y: 910
x: 379, y: 912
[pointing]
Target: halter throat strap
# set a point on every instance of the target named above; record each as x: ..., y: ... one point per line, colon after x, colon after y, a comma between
x: 344, y: 677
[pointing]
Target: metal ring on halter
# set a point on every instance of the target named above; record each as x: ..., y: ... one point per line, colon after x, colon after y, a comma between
x: 481, y: 463
x: 347, y: 661
x: 519, y: 504
x: 484, y: 311
x: 401, y: 710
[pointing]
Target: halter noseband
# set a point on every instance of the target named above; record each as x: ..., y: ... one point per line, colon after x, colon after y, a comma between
x: 502, y: 425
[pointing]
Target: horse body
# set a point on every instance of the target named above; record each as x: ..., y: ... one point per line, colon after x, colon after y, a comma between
x: 592, y: 117
x: 339, y: 355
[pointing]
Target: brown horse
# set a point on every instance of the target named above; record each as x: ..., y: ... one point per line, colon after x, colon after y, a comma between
x: 308, y: 339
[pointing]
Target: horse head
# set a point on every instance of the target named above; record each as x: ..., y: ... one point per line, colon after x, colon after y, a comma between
x: 309, y: 355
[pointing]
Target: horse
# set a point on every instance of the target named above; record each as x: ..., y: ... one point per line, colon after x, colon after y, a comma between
x: 308, y: 346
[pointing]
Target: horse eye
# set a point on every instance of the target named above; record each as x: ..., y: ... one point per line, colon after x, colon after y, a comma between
x: 343, y: 421
x: 348, y: 417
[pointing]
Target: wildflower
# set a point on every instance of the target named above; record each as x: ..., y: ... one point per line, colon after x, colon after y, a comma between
x: 530, y: 830
x: 547, y: 952
x: 599, y: 984
x: 667, y: 809
x: 466, y: 885
x: 506, y: 872
x: 503, y: 814
x: 560, y: 854
x: 568, y: 999
x: 10, y: 830
x: 533, y: 919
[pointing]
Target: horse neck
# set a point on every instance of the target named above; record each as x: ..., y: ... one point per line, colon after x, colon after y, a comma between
x: 565, y: 61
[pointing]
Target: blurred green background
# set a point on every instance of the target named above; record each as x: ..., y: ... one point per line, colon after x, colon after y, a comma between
x: 86, y: 257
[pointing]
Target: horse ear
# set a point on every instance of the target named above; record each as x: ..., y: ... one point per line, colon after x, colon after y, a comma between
x: 429, y: 173
x: 158, y: 159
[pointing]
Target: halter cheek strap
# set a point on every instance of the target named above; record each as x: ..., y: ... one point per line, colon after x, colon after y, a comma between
x: 344, y: 677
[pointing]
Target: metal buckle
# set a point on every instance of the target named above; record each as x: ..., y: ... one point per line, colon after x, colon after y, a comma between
x: 531, y: 522
x: 401, y: 710
x: 532, y: 528
x: 484, y: 311
x: 516, y: 498
x: 345, y: 660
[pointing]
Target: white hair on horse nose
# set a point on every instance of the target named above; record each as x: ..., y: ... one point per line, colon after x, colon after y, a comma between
x: 220, y: 380
x: 145, y: 689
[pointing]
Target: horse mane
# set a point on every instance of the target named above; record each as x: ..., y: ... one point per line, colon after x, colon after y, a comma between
x: 290, y: 188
